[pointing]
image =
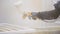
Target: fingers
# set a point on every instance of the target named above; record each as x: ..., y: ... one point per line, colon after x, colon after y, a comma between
x: 27, y: 14
x: 24, y: 16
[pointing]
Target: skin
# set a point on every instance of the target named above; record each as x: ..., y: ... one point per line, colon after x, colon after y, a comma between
x: 26, y: 15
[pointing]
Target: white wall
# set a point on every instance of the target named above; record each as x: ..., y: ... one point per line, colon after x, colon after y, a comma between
x: 49, y: 4
x: 31, y: 5
x: 9, y: 13
x: 38, y: 5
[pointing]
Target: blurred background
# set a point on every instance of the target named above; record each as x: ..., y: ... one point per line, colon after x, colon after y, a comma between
x: 11, y: 10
